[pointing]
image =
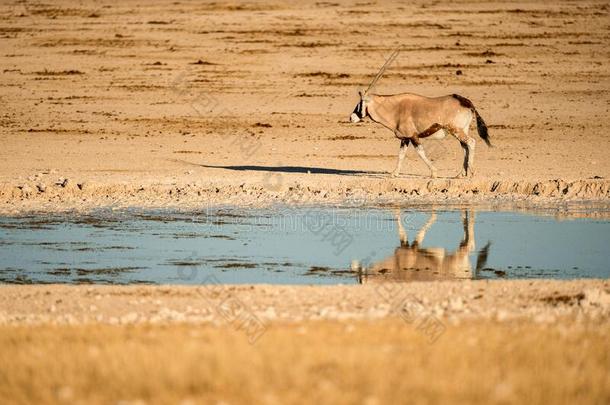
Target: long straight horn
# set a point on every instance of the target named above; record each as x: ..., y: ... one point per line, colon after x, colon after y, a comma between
x: 383, y: 68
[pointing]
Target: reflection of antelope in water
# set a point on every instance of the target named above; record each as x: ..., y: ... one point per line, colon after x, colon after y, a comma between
x: 411, y: 262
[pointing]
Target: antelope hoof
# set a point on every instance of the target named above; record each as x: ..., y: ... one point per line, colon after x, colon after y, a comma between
x: 395, y: 173
x: 460, y: 175
x: 433, y: 174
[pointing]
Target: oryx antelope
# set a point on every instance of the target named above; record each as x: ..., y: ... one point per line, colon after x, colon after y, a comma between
x: 412, y: 117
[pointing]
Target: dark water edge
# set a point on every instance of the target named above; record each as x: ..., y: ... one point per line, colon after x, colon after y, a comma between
x: 305, y: 245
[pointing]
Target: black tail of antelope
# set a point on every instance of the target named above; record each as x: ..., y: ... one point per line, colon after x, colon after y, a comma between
x: 481, y: 126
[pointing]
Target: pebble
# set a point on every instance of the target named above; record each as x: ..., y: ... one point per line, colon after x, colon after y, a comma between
x: 41, y: 187
x: 456, y: 304
x: 544, y: 318
x: 596, y: 297
x: 377, y: 313
x: 270, y: 313
x: 502, y: 315
x: 129, y: 318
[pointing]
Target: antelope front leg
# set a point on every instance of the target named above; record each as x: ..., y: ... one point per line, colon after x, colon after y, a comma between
x: 401, y: 156
x: 419, y: 239
x: 422, y: 154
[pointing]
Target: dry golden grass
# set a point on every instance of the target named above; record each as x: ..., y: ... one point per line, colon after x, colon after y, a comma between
x: 324, y: 362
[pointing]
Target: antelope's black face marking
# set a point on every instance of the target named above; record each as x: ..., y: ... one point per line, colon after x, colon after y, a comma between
x: 358, y: 112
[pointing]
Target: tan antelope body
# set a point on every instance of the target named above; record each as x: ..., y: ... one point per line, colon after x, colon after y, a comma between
x: 412, y: 118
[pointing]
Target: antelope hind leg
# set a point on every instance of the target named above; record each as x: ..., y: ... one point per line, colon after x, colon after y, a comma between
x: 419, y: 239
x: 470, y: 144
x: 464, y: 171
x: 467, y: 144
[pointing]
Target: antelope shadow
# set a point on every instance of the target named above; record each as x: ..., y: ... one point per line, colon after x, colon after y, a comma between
x: 413, y: 262
x: 286, y: 169
x: 293, y: 169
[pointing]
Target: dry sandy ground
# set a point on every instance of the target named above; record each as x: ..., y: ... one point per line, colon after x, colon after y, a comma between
x: 458, y: 342
x: 186, y: 104
x: 166, y: 103
x: 538, y: 300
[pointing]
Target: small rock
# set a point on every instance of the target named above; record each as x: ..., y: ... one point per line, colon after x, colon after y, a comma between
x: 26, y: 190
x: 82, y: 185
x: 456, y: 304
x: 544, y: 318
x: 63, y: 182
x: 270, y: 313
x: 596, y: 297
x: 41, y: 187
x: 129, y: 318
x: 502, y: 315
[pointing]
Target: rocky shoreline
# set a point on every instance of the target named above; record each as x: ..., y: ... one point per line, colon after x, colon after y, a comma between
x: 66, y: 195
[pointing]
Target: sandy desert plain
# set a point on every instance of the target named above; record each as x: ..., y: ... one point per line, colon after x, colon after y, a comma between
x: 185, y: 105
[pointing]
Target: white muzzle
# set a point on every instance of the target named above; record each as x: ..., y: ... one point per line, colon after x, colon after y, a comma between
x: 354, y: 118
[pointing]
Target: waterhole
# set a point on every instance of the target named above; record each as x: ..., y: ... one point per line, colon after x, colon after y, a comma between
x: 301, y: 246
